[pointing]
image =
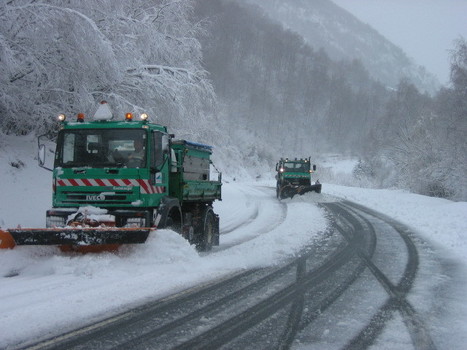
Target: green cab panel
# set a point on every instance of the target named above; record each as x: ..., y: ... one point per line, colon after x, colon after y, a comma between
x: 110, y: 164
x: 106, y: 187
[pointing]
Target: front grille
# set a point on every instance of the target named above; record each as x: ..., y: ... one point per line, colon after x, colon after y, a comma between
x: 98, y: 197
x: 299, y: 182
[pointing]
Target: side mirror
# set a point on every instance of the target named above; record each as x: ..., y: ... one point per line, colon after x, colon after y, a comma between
x: 314, y: 167
x: 165, y: 143
x: 41, y: 150
x: 277, y: 166
x: 41, y: 155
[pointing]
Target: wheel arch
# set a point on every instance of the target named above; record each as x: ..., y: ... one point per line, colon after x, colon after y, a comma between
x: 169, y: 209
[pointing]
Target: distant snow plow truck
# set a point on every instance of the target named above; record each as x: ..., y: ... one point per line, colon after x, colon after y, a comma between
x: 115, y: 181
x: 294, y: 177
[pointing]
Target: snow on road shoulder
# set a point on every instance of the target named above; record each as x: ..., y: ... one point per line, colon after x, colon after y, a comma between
x: 279, y: 229
x: 55, y: 292
x: 440, y: 221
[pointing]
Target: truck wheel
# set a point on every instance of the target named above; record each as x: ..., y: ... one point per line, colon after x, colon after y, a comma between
x: 206, y: 230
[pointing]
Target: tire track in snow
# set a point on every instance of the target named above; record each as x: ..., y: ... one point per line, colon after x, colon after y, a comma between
x: 259, y: 197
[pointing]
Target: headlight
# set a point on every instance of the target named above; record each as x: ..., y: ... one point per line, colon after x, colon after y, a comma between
x: 55, y: 221
x: 135, y: 222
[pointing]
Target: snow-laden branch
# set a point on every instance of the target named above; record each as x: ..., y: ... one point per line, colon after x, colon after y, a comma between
x: 65, y: 10
x: 66, y: 56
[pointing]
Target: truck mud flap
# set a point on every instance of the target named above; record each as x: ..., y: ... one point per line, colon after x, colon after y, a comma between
x: 216, y: 238
x: 73, y: 236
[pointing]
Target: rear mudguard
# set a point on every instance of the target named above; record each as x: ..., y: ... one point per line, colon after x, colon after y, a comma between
x: 168, y: 205
x: 75, y: 236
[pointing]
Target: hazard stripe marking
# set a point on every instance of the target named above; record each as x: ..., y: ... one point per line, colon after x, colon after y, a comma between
x: 100, y: 182
x: 144, y: 185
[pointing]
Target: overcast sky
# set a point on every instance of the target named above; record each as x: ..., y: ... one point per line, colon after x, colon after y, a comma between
x: 424, y: 29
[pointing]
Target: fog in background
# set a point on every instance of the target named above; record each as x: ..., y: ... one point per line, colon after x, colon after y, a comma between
x: 424, y: 29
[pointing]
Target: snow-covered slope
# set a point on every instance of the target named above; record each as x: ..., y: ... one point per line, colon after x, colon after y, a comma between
x: 25, y: 188
x: 325, y: 25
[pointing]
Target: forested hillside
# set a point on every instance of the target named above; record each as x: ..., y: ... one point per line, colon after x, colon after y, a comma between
x: 223, y: 72
x: 325, y: 25
x: 291, y: 98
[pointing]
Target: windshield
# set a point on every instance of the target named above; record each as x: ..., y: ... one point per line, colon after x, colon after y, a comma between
x: 296, y: 167
x: 97, y: 148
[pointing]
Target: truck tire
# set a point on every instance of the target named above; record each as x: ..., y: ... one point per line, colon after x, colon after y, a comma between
x: 206, y: 230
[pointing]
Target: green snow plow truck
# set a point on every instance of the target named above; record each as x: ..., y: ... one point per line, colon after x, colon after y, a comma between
x: 294, y: 177
x: 116, y: 180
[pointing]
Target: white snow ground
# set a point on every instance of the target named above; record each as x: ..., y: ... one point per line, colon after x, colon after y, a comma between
x: 51, y: 292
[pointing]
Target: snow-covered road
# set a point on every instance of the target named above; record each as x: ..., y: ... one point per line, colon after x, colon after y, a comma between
x: 50, y: 292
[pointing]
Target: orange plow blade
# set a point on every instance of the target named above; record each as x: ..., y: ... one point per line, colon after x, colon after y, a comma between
x: 109, y: 237
x: 6, y: 240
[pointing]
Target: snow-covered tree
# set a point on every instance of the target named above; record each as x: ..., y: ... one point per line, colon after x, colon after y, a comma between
x: 428, y: 140
x: 61, y: 56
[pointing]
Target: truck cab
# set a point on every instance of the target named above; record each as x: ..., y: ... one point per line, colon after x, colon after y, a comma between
x: 294, y: 177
